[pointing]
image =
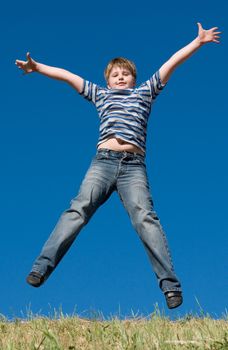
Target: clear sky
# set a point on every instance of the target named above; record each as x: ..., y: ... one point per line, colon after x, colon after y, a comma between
x: 49, y: 135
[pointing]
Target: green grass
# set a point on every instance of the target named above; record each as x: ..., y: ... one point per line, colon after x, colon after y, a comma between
x: 75, y: 333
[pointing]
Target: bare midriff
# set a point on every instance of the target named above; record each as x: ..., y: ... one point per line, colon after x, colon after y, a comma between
x: 116, y: 144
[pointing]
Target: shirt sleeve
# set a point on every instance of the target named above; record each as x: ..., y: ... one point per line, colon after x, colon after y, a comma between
x: 89, y: 91
x: 156, y: 85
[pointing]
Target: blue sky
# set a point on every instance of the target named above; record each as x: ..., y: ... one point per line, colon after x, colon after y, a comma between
x: 49, y: 135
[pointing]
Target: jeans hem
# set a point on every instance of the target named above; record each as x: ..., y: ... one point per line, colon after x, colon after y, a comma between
x: 166, y: 290
x: 36, y: 270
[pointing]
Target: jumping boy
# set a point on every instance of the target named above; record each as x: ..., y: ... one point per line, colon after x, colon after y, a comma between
x: 119, y: 164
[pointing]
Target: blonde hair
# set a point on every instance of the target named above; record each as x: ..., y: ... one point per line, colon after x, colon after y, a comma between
x: 122, y: 63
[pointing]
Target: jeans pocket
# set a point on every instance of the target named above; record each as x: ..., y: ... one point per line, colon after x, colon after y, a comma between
x: 101, y: 156
x: 138, y: 161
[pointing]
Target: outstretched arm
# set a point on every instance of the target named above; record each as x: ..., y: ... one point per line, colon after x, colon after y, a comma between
x: 31, y: 65
x: 204, y: 36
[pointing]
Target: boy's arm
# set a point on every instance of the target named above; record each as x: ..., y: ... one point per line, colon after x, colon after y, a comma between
x: 30, y: 66
x: 204, y: 36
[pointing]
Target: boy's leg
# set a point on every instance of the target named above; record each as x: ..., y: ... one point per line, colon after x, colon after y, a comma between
x: 94, y: 191
x: 133, y: 189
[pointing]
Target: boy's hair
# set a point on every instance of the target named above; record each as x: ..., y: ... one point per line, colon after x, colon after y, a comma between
x: 122, y: 63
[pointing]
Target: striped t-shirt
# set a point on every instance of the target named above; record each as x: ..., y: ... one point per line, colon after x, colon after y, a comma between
x: 124, y: 113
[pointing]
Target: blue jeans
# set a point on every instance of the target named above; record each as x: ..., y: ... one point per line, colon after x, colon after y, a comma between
x: 125, y: 173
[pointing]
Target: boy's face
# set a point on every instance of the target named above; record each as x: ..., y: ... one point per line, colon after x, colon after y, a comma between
x: 120, y: 78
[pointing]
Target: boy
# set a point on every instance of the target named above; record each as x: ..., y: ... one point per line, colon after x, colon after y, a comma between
x: 119, y: 162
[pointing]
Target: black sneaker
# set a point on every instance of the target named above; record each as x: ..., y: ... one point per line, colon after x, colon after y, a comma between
x: 173, y: 299
x: 35, y: 279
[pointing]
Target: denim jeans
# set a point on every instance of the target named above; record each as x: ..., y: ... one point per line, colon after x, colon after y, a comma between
x: 125, y: 173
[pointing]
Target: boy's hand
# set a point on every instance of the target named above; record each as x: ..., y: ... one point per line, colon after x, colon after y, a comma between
x: 28, y: 66
x: 210, y: 35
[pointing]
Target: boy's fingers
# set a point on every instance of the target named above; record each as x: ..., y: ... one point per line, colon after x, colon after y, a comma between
x: 214, y: 28
x: 28, y: 56
x: 19, y: 63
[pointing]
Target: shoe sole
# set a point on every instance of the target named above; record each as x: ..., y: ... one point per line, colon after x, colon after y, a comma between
x: 35, y: 282
x: 172, y: 304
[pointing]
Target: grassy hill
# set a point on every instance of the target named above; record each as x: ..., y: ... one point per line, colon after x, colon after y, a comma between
x: 74, y: 333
